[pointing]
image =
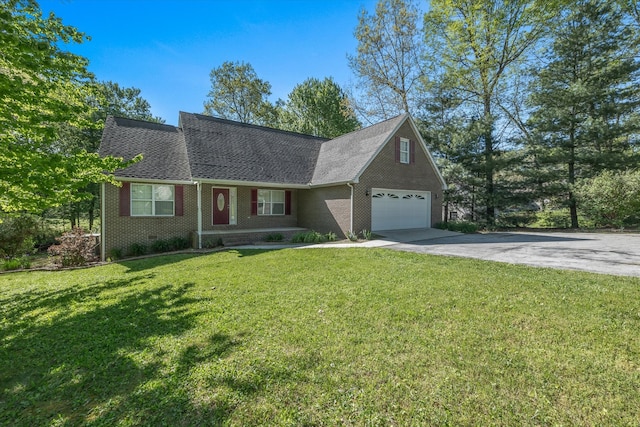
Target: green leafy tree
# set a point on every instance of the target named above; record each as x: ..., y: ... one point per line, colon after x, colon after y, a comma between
x: 474, y: 48
x: 41, y: 86
x: 238, y: 94
x: 104, y: 99
x: 585, y: 100
x: 611, y: 198
x: 388, y: 60
x: 318, y: 107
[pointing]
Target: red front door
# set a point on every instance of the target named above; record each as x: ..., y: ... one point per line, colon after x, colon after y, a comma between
x: 220, y: 206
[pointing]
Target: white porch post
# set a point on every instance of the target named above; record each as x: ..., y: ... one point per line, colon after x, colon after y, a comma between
x: 103, y: 245
x: 351, y: 213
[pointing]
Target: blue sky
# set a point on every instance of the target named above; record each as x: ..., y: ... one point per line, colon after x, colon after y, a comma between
x: 167, y: 48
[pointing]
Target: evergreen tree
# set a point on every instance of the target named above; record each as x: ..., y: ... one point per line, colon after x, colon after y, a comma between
x: 585, y: 100
x: 475, y: 50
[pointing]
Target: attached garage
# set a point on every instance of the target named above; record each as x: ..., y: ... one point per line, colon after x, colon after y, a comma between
x: 400, y: 209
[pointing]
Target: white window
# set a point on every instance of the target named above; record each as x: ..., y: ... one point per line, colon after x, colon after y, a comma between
x: 152, y: 200
x: 404, y: 151
x: 270, y: 202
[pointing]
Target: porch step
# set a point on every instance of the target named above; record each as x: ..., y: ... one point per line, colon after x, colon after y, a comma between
x: 245, y: 237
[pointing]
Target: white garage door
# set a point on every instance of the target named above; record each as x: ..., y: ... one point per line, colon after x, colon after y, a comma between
x: 400, y: 209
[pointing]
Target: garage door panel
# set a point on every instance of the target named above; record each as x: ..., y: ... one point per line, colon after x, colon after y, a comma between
x: 400, y: 209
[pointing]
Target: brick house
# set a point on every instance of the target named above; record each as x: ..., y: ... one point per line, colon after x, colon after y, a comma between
x: 210, y: 179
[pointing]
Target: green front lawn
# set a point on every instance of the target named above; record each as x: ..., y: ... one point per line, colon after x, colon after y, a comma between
x: 318, y: 337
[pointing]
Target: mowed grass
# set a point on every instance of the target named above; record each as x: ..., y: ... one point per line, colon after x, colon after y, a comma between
x: 318, y: 337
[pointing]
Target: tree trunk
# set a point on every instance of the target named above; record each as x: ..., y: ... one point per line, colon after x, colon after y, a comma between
x: 573, y: 208
x: 91, y: 212
x: 487, y: 134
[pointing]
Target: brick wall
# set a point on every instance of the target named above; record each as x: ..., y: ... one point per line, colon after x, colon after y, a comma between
x: 122, y: 231
x: 325, y: 209
x: 384, y: 172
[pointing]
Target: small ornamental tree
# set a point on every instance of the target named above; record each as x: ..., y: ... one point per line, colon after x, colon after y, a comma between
x: 76, y: 248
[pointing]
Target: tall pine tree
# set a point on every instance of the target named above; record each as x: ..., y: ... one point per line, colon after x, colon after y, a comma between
x: 585, y: 101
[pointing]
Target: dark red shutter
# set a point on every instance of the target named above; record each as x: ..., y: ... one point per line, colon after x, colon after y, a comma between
x: 287, y: 202
x: 397, y: 149
x: 254, y: 201
x: 412, y: 152
x: 125, y: 199
x: 179, y: 195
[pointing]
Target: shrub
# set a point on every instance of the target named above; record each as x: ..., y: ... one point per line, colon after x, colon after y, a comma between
x: 275, y: 237
x: 179, y: 243
x: 352, y: 236
x: 298, y: 238
x: 366, y: 234
x: 45, y: 236
x: 160, y: 246
x: 169, y: 245
x: 16, y: 234
x: 516, y: 219
x: 309, y: 237
x: 331, y: 236
x: 611, y: 198
x: 314, y: 237
x: 16, y: 263
x: 459, y: 226
x: 553, y: 218
x: 115, y: 253
x: 75, y: 248
x: 137, y: 249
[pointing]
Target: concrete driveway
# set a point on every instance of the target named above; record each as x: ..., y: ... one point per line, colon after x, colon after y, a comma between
x: 615, y: 253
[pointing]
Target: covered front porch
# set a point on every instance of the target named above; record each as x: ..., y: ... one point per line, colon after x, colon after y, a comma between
x: 212, y: 238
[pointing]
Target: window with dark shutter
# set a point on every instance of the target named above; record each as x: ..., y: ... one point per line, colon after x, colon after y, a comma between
x: 125, y: 192
x: 179, y: 195
x: 287, y: 202
x: 254, y: 201
x: 412, y: 152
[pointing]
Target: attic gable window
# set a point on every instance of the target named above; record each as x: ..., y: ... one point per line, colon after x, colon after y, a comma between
x: 152, y: 200
x: 405, y: 151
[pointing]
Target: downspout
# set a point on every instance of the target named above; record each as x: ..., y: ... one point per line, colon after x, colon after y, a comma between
x: 199, y: 191
x: 351, y: 213
x: 103, y: 245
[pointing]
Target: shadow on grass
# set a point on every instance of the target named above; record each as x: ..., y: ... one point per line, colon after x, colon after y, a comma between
x: 86, y: 356
x: 150, y: 262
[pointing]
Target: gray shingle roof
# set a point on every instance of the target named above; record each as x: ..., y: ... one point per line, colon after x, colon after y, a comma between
x: 162, y: 147
x: 227, y: 150
x: 209, y: 148
x: 342, y: 159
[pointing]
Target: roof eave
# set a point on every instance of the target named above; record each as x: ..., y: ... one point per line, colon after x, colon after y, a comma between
x: 154, y: 180
x: 238, y: 183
